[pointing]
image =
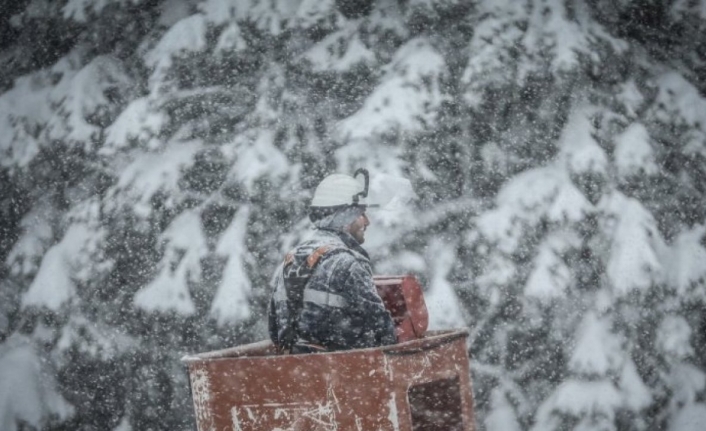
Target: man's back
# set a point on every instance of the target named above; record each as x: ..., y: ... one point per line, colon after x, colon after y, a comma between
x: 341, y: 308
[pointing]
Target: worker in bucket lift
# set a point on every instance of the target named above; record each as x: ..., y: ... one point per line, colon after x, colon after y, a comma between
x: 324, y: 298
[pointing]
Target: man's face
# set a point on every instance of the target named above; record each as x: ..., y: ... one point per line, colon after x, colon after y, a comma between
x: 357, y: 228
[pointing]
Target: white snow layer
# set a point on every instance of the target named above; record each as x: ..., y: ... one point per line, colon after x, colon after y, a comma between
x: 497, y: 272
x: 691, y: 418
x: 28, y: 392
x: 630, y: 96
x: 219, y: 12
x: 339, y: 51
x: 407, y: 98
x: 393, y: 195
x: 84, y: 95
x: 633, y: 152
x: 139, y: 122
x: 230, y: 304
x: 255, y: 156
x: 579, y: 399
x: 634, y: 261
x: 53, y: 286
x: 231, y: 39
x: 502, y: 416
x: 271, y: 16
x: 54, y: 104
x: 598, y: 351
x: 441, y: 300
x: 551, y: 276
x: 636, y: 394
x: 492, y: 48
x: 685, y: 266
x: 151, y: 173
x: 93, y: 339
x: 313, y: 13
x: 526, y: 199
x: 673, y: 337
x: 679, y: 102
x: 187, y: 35
x: 579, y: 149
x: 565, y: 35
x: 26, y: 109
x: 185, y: 246
x: 36, y: 237
x: 76, y: 9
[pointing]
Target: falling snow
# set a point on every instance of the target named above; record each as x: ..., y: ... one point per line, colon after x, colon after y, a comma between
x: 539, y: 166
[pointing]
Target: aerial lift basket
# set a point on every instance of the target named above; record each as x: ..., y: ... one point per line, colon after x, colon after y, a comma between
x: 420, y: 384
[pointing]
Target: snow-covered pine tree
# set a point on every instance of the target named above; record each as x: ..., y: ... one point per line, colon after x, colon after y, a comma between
x: 156, y: 158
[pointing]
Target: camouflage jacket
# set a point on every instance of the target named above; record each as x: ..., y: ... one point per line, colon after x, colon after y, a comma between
x: 341, y: 308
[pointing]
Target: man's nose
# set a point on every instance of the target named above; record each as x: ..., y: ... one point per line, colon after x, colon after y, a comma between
x: 366, y: 220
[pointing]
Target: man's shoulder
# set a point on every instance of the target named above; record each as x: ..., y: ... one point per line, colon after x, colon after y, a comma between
x: 327, y: 245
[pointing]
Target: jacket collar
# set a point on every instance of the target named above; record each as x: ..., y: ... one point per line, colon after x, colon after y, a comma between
x: 348, y: 240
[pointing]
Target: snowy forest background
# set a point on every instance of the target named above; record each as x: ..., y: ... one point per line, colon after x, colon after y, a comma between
x: 541, y: 165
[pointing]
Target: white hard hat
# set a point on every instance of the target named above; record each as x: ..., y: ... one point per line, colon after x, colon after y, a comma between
x: 337, y: 190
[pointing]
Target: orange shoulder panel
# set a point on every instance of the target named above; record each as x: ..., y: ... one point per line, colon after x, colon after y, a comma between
x: 314, y: 257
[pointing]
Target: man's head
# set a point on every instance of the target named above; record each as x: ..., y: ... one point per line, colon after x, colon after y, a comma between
x: 337, y: 205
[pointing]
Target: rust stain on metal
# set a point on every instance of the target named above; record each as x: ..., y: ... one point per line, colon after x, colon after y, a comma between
x: 252, y: 388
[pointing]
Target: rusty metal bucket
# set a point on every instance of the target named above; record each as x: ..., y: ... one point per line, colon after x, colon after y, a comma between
x: 418, y: 385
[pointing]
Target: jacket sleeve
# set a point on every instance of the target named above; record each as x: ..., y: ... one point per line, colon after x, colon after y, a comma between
x: 369, y: 316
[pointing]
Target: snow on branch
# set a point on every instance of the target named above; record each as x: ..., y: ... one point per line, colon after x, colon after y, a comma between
x: 502, y: 416
x: 565, y: 36
x: 582, y: 400
x: 185, y: 246
x: 255, y: 156
x: 187, y: 35
x: 231, y: 39
x: 633, y: 153
x: 674, y: 337
x: 82, y: 100
x: 526, y: 200
x: 24, y: 112
x: 598, y: 351
x: 221, y: 11
x: 678, y: 102
x: 407, y: 98
x: 39, y: 110
x: 54, y: 284
x: 340, y: 51
x: 680, y: 9
x: 493, y: 48
x: 272, y: 16
x: 386, y: 18
x: 579, y: 148
x: 28, y: 393
x: 551, y: 277
x: 692, y: 416
x: 37, y: 236
x: 76, y: 9
x: 441, y: 300
x: 685, y: 266
x: 634, y: 261
x: 139, y: 122
x: 152, y: 173
x: 317, y: 14
x: 94, y: 339
x: 230, y: 304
